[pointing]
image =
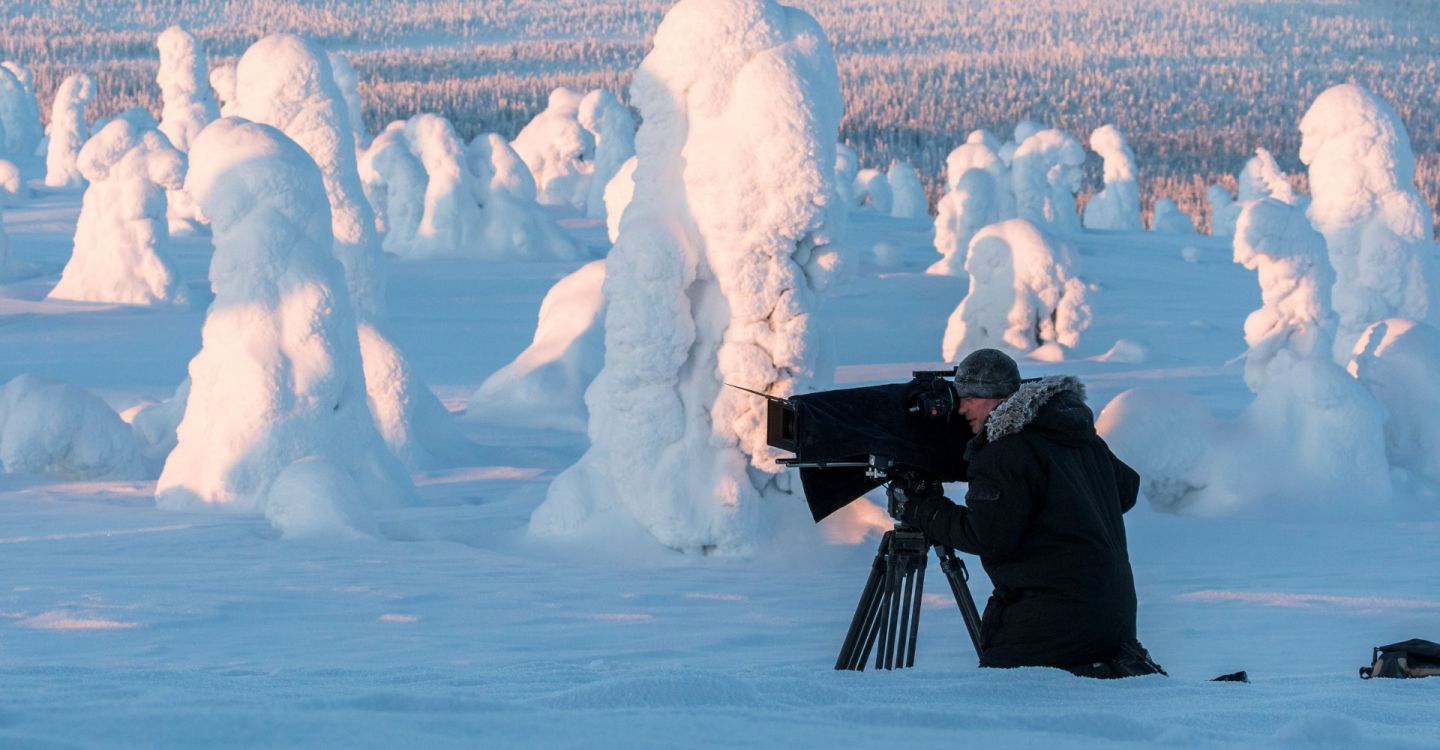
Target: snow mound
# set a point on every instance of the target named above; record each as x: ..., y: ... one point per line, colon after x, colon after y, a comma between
x: 279, y: 375
x: 1117, y: 206
x: 122, y: 235
x: 713, y: 280
x: 1023, y: 294
x: 559, y: 151
x: 1169, y: 219
x: 545, y: 386
x: 62, y: 431
x: 1377, y: 227
x: 1165, y: 435
x: 907, y: 194
x: 315, y: 499
x: 872, y: 192
x: 68, y: 131
x: 1397, y: 360
x: 1045, y: 175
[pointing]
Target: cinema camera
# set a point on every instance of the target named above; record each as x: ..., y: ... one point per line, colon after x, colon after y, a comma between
x: 849, y: 441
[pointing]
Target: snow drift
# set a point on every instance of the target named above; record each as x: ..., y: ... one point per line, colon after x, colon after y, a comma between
x: 62, y: 431
x: 545, y: 386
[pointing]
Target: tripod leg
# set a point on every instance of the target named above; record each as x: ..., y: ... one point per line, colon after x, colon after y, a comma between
x: 906, y: 633
x: 892, y: 608
x: 915, y: 617
x: 879, y: 618
x: 957, y: 575
x: 864, y: 611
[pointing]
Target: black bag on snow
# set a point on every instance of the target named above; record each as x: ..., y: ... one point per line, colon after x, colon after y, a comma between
x: 1412, y: 658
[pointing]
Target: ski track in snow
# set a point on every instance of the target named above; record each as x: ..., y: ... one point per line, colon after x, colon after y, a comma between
x: 122, y: 625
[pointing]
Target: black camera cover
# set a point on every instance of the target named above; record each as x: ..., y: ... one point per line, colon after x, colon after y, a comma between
x: 853, y: 424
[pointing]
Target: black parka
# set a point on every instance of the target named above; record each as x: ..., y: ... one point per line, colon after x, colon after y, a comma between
x: 1043, y: 512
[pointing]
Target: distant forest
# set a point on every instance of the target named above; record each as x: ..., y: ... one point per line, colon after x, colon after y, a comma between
x: 1195, y: 85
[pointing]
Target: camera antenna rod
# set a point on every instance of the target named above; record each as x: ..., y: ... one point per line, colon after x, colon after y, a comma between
x: 765, y: 396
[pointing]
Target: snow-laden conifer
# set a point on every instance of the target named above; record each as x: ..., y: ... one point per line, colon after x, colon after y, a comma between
x: 559, y: 151
x: 1169, y: 219
x: 1117, y: 206
x: 20, y: 129
x: 120, y: 252
x: 907, y: 195
x: 1377, y: 227
x: 713, y: 279
x: 1046, y: 174
x: 613, y: 129
x: 184, y: 87
x: 1023, y: 295
x: 278, y: 379
x: 68, y: 131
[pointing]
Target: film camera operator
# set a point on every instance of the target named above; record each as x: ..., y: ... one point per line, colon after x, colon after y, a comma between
x: 1043, y: 513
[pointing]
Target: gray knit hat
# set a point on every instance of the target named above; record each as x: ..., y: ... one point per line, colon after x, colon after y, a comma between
x: 987, y: 373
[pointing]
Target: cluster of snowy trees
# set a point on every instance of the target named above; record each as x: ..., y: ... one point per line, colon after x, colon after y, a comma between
x: 912, y: 81
x: 1342, y: 353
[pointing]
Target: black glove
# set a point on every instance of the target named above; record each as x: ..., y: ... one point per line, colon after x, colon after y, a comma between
x: 913, y: 506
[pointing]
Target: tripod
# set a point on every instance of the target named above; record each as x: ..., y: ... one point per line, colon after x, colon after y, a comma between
x: 889, y: 611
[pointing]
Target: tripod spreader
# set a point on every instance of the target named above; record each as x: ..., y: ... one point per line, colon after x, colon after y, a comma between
x: 888, y: 614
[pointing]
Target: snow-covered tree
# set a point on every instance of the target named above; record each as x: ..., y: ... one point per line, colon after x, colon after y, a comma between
x: 1169, y: 219
x: 1377, y: 227
x: 713, y: 279
x: 545, y: 386
x: 1396, y: 360
x: 1023, y: 294
x: 613, y: 129
x: 349, y: 85
x: 278, y: 379
x: 20, y: 129
x: 977, y: 153
x: 907, y: 194
x: 121, y: 240
x: 68, y: 131
x: 1046, y: 175
x: 184, y: 87
x: 450, y: 223
x: 847, y: 168
x: 1275, y: 239
x: 222, y: 82
x: 12, y: 184
x: 1262, y: 178
x: 1224, y: 211
x: 1118, y: 205
x: 62, y: 431
x: 512, y: 224
x: 872, y: 192
x: 394, y: 182
x: 617, y: 196
x: 972, y: 203
x: 285, y: 81
x: 559, y: 151
x: 1023, y: 130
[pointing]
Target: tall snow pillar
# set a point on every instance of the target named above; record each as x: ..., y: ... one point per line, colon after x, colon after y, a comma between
x: 712, y: 280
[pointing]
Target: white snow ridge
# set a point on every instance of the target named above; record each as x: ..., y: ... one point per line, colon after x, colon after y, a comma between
x: 278, y: 378
x: 713, y: 278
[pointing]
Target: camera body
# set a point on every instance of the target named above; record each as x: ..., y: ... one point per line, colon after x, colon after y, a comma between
x: 848, y: 441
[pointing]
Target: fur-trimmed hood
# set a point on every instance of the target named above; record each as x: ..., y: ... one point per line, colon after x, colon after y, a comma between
x: 1024, y: 405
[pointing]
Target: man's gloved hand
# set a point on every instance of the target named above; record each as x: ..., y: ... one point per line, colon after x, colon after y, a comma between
x: 913, y: 506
